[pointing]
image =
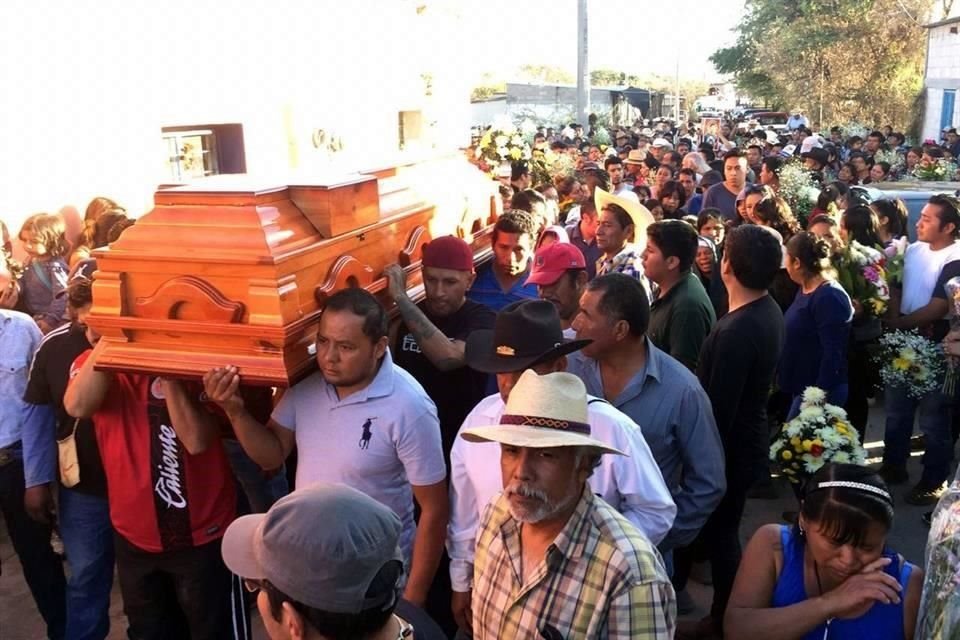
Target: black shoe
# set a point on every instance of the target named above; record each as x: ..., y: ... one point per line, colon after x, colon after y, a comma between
x: 924, y: 494
x: 893, y: 473
x: 927, y: 518
x: 917, y: 443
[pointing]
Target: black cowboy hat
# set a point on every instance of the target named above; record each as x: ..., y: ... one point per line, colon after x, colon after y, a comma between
x: 525, y: 334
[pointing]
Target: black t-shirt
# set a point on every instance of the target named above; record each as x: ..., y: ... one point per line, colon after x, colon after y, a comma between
x: 737, y: 366
x: 48, y: 383
x: 940, y: 328
x: 456, y: 392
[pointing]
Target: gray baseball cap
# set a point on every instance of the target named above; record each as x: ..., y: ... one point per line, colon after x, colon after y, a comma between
x: 322, y: 546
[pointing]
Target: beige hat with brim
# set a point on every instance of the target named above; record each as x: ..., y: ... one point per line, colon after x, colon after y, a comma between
x: 543, y: 412
x: 641, y: 216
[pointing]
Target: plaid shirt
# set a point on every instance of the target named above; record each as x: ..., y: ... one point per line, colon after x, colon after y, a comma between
x: 626, y: 262
x: 601, y: 578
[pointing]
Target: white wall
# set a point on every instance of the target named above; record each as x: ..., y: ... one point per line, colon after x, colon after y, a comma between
x: 943, y: 72
x: 88, y: 86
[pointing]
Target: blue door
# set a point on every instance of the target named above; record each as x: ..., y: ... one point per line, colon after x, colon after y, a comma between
x: 946, y: 111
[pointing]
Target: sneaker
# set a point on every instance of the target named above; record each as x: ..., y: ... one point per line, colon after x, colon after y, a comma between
x: 685, y: 603
x: 893, y: 473
x: 924, y: 494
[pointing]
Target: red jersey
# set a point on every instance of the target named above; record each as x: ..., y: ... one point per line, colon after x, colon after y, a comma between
x: 161, y: 497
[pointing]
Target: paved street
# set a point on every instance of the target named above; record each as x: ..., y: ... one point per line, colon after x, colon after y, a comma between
x: 19, y: 619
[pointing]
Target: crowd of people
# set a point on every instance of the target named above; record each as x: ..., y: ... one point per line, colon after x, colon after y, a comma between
x: 543, y: 447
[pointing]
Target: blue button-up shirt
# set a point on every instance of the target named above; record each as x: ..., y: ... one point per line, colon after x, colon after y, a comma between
x: 19, y: 339
x: 676, y: 418
x: 486, y: 290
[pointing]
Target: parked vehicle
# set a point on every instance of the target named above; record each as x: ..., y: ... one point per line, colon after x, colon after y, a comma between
x: 776, y: 120
x: 913, y: 194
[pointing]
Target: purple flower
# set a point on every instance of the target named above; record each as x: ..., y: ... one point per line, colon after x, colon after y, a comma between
x: 871, y: 274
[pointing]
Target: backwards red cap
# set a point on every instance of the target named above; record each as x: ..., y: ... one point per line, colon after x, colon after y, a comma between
x: 552, y: 261
x: 448, y: 252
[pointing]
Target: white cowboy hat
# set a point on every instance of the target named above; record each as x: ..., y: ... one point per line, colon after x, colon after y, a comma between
x: 543, y: 412
x: 641, y: 216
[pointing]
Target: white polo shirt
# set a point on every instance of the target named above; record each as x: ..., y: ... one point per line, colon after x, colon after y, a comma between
x: 631, y: 484
x: 379, y: 440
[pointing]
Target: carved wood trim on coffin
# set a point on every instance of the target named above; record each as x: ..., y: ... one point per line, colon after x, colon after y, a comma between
x: 182, y: 293
x: 412, y: 253
x: 347, y: 271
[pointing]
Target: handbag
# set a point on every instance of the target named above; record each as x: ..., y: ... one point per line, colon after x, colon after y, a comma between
x: 67, y: 456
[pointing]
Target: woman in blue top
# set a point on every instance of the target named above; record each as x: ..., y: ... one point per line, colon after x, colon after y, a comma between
x: 831, y: 576
x: 817, y: 325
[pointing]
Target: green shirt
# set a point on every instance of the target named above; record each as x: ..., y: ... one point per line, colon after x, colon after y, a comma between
x: 681, y: 320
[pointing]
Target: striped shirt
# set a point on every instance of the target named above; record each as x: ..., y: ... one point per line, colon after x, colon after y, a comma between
x: 600, y: 578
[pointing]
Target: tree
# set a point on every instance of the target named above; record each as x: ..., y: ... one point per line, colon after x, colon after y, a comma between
x: 856, y: 59
x: 546, y: 74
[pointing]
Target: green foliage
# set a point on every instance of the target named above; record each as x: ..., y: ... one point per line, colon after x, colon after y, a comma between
x: 546, y: 74
x: 864, y: 56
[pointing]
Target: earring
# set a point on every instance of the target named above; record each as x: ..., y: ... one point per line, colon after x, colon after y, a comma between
x: 800, y: 526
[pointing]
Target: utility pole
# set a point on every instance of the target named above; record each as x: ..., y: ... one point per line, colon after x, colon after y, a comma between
x: 676, y: 106
x: 821, y: 92
x: 583, y: 66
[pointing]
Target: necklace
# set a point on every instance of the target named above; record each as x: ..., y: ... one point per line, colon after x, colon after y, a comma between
x: 816, y: 572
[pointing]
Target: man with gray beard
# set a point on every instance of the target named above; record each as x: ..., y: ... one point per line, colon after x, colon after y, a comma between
x: 552, y: 559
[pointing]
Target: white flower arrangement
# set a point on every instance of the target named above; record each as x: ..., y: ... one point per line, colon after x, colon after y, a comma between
x: 798, y: 188
x: 909, y: 360
x: 819, y: 435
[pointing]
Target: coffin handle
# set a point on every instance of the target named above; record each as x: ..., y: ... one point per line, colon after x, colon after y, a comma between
x: 189, y: 298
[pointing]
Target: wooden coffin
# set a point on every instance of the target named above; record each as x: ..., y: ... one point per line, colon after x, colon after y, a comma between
x: 235, y: 271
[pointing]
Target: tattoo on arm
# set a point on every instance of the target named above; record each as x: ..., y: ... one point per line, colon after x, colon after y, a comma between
x: 418, y: 323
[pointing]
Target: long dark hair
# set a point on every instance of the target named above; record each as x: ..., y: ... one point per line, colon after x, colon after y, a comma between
x: 895, y: 211
x: 775, y: 213
x: 861, y: 224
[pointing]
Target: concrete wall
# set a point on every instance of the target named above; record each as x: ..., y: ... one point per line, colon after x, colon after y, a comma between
x: 943, y: 72
x: 88, y: 88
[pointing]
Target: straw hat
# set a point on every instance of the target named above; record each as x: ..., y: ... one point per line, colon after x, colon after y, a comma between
x: 635, y: 156
x: 641, y: 216
x: 542, y: 412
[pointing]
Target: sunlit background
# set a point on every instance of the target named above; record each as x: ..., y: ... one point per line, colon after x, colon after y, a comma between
x: 115, y: 98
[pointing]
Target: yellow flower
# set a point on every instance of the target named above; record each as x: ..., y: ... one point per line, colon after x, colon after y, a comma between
x: 908, y: 354
x: 817, y: 443
x: 516, y: 153
x: 807, y: 444
x: 795, y: 441
x: 901, y: 364
x: 786, y: 454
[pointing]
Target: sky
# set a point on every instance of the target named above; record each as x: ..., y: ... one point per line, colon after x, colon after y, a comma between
x: 635, y: 36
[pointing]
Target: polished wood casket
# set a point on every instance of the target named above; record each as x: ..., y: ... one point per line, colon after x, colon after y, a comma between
x: 235, y: 270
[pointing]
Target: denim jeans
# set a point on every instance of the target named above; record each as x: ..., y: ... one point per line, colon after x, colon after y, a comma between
x: 42, y: 568
x: 88, y: 542
x: 836, y: 396
x: 260, y: 488
x: 934, y: 413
